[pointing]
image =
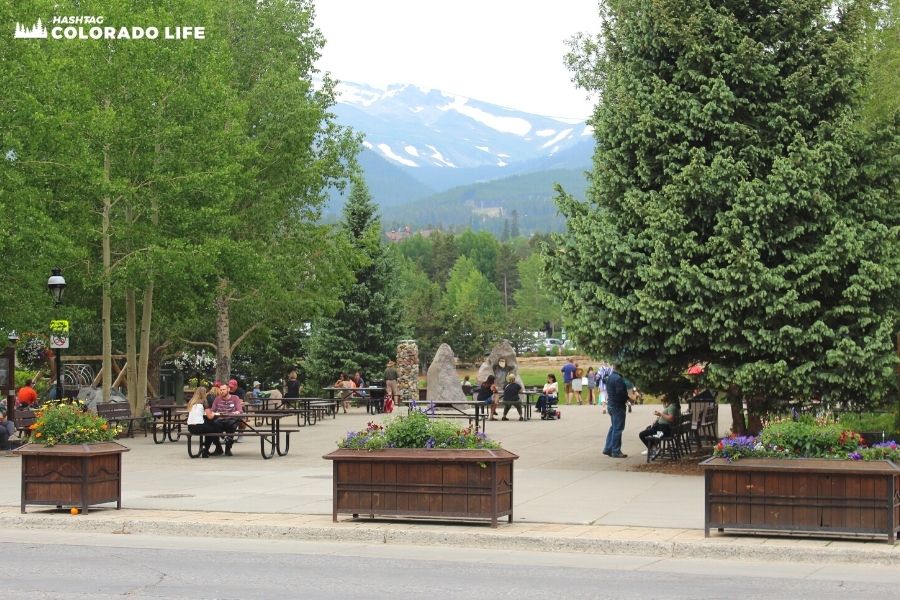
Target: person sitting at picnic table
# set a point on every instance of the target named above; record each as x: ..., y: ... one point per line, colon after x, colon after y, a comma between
x: 360, y: 383
x: 486, y: 392
x: 467, y: 388
x: 293, y: 385
x: 662, y: 426
x: 511, y: 393
x: 224, y: 406
x: 549, y: 395
x: 201, y: 420
x: 345, y: 382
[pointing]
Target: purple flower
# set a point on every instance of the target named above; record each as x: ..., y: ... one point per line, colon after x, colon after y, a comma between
x: 855, y: 456
x: 429, y: 443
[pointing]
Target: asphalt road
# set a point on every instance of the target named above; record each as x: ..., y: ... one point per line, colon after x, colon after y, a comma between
x: 77, y: 566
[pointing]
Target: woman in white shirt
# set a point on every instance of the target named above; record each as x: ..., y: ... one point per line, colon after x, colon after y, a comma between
x: 549, y: 395
x: 201, y: 420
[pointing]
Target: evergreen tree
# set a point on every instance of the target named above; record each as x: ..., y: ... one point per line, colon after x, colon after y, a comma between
x: 737, y: 214
x: 364, y: 332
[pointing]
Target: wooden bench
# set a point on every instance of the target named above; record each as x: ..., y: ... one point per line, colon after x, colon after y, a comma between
x: 269, y: 439
x: 120, y: 412
x: 23, y: 421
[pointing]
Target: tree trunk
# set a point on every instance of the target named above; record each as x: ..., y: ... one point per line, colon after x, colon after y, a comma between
x: 223, y: 333
x: 147, y: 311
x: 756, y: 407
x: 736, y: 400
x: 143, y: 364
x: 131, y: 366
x: 106, y: 304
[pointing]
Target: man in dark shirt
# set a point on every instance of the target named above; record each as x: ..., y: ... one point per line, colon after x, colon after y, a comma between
x: 616, y: 400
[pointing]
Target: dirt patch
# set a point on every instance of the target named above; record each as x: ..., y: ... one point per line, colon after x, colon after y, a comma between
x: 685, y: 466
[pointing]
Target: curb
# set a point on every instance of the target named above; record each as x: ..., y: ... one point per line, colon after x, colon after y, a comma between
x: 718, y: 548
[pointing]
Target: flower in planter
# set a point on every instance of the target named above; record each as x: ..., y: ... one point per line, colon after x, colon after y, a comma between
x: 69, y: 423
x: 416, y: 430
x: 805, y: 438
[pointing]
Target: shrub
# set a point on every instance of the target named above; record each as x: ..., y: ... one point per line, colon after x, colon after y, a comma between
x: 67, y: 423
x: 868, y: 421
x: 805, y: 438
x: 416, y: 430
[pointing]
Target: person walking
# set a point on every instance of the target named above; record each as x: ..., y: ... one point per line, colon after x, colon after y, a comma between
x: 568, y: 372
x: 391, y: 396
x: 616, y: 400
x: 578, y: 384
x: 591, y: 383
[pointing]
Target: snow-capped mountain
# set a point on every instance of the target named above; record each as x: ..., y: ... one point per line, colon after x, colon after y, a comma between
x: 417, y: 128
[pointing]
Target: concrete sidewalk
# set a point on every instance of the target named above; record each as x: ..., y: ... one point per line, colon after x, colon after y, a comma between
x: 567, y: 497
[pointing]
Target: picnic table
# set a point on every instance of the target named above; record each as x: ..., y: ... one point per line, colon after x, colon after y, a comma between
x: 166, y: 424
x: 452, y: 410
x: 264, y: 424
x: 531, y: 396
x: 306, y: 409
x: 354, y: 394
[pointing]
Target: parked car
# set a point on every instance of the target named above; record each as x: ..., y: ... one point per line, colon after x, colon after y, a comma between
x: 553, y: 343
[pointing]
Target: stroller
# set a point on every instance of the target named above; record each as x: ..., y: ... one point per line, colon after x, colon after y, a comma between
x: 546, y: 405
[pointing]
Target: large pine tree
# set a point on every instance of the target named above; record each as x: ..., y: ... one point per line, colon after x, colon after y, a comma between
x: 737, y: 213
x: 364, y: 332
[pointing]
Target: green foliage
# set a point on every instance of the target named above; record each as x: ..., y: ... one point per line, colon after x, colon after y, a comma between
x: 808, y: 439
x: 868, y: 421
x: 65, y: 423
x: 529, y: 195
x: 737, y: 215
x: 416, y: 430
x: 473, y: 311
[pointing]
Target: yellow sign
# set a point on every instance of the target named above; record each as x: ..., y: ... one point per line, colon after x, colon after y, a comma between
x: 59, y: 334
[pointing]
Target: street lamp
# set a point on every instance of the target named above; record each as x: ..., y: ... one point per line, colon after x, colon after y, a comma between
x: 13, y: 338
x: 56, y: 285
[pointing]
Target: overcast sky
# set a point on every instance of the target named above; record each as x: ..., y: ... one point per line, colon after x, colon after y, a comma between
x: 508, y: 52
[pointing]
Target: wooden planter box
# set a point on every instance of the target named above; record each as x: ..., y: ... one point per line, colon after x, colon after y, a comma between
x: 443, y: 484
x: 79, y: 475
x: 813, y: 496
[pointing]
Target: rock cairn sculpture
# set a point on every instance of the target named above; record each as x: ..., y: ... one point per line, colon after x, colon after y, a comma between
x: 443, y: 382
x: 408, y: 370
x: 500, y: 363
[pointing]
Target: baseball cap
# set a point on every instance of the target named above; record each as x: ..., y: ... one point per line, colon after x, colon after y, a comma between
x: 256, y: 383
x: 232, y: 382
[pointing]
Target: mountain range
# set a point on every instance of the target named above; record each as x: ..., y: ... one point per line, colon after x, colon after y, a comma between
x: 433, y: 159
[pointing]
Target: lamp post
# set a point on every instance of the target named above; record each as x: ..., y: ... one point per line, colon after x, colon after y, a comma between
x: 56, y: 285
x: 13, y: 338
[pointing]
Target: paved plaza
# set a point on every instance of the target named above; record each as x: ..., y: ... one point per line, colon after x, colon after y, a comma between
x: 568, y: 497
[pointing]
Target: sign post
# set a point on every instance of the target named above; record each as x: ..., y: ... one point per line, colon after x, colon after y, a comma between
x: 59, y: 339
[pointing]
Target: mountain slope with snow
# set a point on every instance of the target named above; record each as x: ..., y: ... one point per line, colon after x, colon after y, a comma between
x: 418, y: 128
